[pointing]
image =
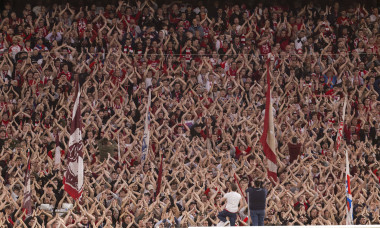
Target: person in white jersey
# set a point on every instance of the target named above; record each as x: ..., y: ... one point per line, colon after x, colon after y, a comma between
x: 232, y: 207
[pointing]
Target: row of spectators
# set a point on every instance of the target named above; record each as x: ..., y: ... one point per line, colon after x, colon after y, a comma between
x: 206, y: 69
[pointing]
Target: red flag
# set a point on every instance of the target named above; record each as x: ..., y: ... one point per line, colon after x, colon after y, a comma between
x: 159, y: 179
x: 73, y: 178
x: 268, y: 137
x: 27, y: 203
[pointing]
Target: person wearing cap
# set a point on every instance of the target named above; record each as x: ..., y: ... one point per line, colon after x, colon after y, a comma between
x: 150, y: 189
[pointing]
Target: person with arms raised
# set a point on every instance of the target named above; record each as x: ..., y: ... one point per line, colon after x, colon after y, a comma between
x: 233, y: 199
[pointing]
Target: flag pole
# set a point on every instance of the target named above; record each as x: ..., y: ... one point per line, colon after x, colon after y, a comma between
x: 341, y: 125
x: 118, y: 147
x: 57, y: 155
x: 349, y: 218
x: 249, y: 210
x: 146, y: 136
x: 27, y: 203
x: 236, y: 180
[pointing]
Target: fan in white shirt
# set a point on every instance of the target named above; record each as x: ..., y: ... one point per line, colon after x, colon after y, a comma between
x: 232, y: 207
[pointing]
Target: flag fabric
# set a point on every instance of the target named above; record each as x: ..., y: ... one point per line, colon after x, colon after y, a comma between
x: 146, y: 136
x: 268, y: 138
x: 57, y: 155
x: 341, y: 125
x: 159, y: 179
x: 27, y: 202
x: 73, y: 178
x: 349, y: 218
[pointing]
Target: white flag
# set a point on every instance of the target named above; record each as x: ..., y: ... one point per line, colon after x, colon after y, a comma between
x: 145, y: 139
x: 57, y: 155
x: 27, y: 202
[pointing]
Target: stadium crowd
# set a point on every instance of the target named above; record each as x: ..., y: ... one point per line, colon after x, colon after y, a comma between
x: 205, y: 67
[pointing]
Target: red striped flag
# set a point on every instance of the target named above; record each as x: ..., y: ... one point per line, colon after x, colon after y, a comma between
x: 73, y: 178
x: 268, y: 138
x: 27, y: 201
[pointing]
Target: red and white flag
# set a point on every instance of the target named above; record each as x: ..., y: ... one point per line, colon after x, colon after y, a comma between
x: 341, y: 125
x: 268, y: 139
x: 27, y: 202
x: 73, y: 178
x: 57, y: 154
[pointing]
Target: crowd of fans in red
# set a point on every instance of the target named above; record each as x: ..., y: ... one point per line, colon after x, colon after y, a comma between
x: 205, y: 66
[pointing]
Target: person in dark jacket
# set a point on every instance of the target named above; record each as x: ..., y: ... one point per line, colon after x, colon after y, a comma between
x: 257, y: 196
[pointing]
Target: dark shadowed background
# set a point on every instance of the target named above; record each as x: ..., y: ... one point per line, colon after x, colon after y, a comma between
x: 291, y: 4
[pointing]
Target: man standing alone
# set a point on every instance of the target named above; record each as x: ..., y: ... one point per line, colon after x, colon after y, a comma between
x: 232, y: 207
x: 257, y: 196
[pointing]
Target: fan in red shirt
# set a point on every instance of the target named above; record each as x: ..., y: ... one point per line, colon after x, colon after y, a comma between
x: 239, y: 149
x: 65, y: 72
x: 283, y: 39
x: 343, y: 20
x: 40, y: 26
x: 117, y: 76
x: 128, y: 15
x: 266, y: 43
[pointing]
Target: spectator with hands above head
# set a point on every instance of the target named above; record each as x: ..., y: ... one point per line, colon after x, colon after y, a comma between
x: 205, y: 66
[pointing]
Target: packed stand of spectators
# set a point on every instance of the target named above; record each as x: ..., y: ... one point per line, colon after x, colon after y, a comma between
x: 206, y: 69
